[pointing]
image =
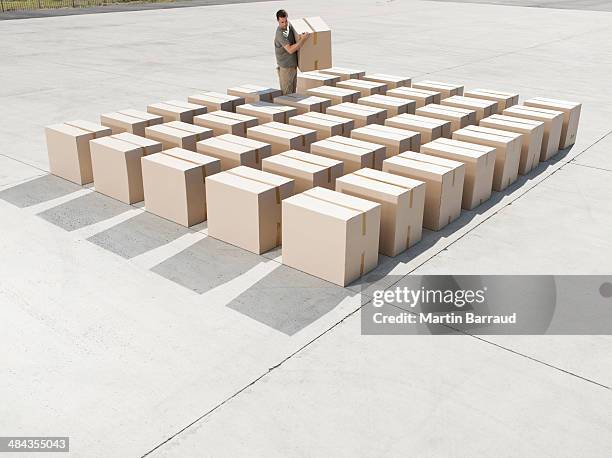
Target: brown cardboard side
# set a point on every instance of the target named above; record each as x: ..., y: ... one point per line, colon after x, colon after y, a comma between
x: 174, y: 189
x: 117, y: 169
x: 69, y: 153
x: 571, y: 117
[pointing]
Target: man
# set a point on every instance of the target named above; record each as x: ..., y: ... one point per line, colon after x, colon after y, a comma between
x: 286, y: 47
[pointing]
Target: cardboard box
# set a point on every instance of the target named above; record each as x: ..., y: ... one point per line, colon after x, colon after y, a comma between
x: 553, y: 125
x: 364, y: 87
x: 354, y: 154
x: 244, y: 207
x: 283, y: 137
x: 304, y: 103
x: 445, y: 89
x: 571, y: 117
x: 533, y: 133
x: 395, y: 140
x: 394, y: 105
x: 402, y: 202
x: 68, y: 149
x: 176, y: 110
x: 507, y: 151
x: 391, y: 81
x: 444, y: 184
x: 253, y: 93
x: 128, y: 120
x: 504, y: 99
x: 226, y: 122
x: 307, y: 170
x: 309, y: 80
x: 429, y: 128
x: 316, y: 52
x: 116, y: 165
x: 234, y: 151
x: 479, y: 161
x: 178, y: 134
x: 361, y: 114
x: 421, y: 97
x: 173, y: 184
x: 330, y: 235
x: 267, y: 112
x: 326, y: 125
x: 344, y: 73
x: 483, y: 108
x: 458, y: 117
x: 216, y: 101
x: 335, y: 94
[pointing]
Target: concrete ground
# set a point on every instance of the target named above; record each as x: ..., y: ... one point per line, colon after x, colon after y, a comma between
x: 133, y: 335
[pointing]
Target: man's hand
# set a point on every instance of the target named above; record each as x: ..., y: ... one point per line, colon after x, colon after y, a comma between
x: 303, y: 37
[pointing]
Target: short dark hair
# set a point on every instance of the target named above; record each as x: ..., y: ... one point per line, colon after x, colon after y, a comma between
x: 280, y: 14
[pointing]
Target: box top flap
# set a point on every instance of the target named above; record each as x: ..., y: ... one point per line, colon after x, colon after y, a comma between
x: 185, y: 105
x: 501, y: 121
x: 169, y: 107
x: 317, y: 24
x: 470, y: 101
x: 477, y: 148
x: 191, y: 128
x: 354, y: 143
x: 268, y: 178
x: 140, y: 114
x: 427, y: 161
x: 324, y: 207
x: 117, y: 144
x: 440, y: 84
x: 289, y: 128
x: 242, y: 141
x: 136, y: 140
x: 170, y: 161
x: 343, y: 200
x: 503, y: 134
x: 420, y: 121
x: 387, y: 77
x: 533, y: 111
x: 391, y: 133
x: 516, y: 120
x: 292, y: 163
x: 186, y: 155
x: 445, y: 109
x: 332, y: 90
x: 265, y: 107
x: 88, y: 126
x: 390, y: 178
x: 325, y: 117
x: 311, y: 158
x: 493, y: 93
x: 384, y: 99
x: 403, y: 90
x: 554, y: 103
x: 165, y: 129
x: 353, y: 82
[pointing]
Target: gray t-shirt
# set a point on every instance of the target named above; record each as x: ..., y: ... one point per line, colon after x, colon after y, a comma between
x: 281, y: 39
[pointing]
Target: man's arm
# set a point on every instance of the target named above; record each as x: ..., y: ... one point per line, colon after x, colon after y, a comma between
x: 294, y: 48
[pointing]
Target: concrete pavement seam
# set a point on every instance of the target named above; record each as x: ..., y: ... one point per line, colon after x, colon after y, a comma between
x: 253, y: 382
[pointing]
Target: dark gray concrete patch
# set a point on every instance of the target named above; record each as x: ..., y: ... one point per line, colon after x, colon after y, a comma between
x: 138, y: 235
x: 38, y: 190
x: 83, y: 211
x: 588, y: 5
x: 207, y: 264
x: 115, y: 8
x: 289, y: 300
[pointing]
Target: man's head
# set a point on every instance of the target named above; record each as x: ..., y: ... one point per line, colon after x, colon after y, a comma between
x: 281, y: 17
